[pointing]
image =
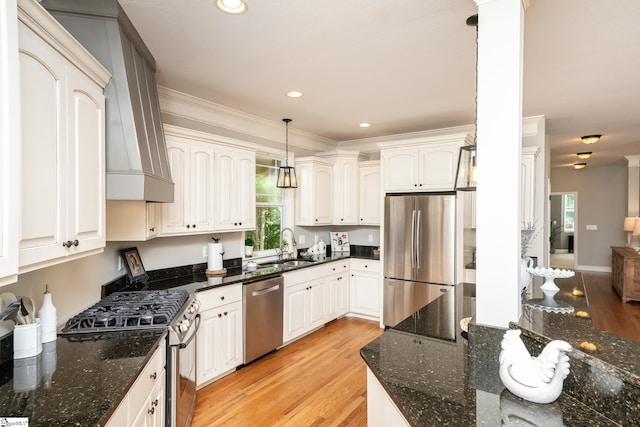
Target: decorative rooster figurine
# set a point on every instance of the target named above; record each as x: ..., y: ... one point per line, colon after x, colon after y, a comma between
x: 536, y: 379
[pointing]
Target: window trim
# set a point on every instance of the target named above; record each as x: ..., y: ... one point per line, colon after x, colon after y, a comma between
x: 566, y: 229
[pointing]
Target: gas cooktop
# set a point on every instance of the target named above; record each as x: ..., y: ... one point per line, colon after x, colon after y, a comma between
x: 129, y: 311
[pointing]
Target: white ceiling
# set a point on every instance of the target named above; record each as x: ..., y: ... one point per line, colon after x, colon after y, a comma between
x: 403, y: 66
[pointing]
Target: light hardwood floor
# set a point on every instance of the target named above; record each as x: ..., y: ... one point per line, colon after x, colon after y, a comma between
x: 608, y: 312
x: 320, y: 379
x: 317, y: 380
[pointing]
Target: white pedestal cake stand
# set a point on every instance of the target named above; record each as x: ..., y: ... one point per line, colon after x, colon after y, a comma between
x: 549, y: 289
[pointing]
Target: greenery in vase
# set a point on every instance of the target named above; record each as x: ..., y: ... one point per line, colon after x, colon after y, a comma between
x: 248, y: 241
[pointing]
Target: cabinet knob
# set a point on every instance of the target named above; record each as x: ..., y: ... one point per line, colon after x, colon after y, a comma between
x: 151, y: 411
x: 415, y: 185
x: 67, y: 244
x: 152, y: 229
x: 420, y: 185
x: 154, y: 403
x: 225, y: 313
x: 222, y: 298
x: 76, y: 243
x: 341, y: 219
x: 188, y: 226
x: 352, y: 275
x: 361, y: 219
x: 316, y: 219
x: 235, y: 223
x: 219, y: 314
x: 194, y: 226
x: 366, y: 266
x: 240, y: 223
x: 154, y: 376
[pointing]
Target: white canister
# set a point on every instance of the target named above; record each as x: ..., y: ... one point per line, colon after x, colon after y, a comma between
x: 48, y: 318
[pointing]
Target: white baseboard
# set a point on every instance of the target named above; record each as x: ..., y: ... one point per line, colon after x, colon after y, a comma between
x: 594, y: 268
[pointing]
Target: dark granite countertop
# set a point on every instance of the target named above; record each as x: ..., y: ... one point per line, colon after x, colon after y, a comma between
x: 193, y: 278
x: 437, y: 382
x: 77, y: 380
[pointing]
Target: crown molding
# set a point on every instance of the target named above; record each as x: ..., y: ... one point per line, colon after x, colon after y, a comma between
x: 179, y: 104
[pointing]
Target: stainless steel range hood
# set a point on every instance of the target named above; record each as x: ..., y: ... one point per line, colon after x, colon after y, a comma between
x: 137, y: 164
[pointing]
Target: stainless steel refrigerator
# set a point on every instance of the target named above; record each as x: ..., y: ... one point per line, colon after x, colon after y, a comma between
x: 419, y: 257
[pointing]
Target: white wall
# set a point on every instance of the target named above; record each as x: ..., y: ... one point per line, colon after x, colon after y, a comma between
x: 601, y: 201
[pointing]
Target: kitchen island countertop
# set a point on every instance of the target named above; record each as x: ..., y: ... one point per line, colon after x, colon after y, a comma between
x: 436, y: 382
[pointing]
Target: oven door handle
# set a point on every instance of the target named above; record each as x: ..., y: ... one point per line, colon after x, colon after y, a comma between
x: 193, y: 335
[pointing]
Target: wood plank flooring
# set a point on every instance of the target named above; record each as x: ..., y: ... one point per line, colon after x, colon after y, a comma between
x: 608, y: 312
x: 317, y: 380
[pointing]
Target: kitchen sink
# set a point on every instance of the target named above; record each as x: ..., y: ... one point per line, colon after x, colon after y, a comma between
x: 271, y: 265
x: 297, y: 263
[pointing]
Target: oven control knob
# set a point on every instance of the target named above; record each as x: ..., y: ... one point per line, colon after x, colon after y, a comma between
x: 196, y: 304
x: 183, y: 326
x: 194, y: 307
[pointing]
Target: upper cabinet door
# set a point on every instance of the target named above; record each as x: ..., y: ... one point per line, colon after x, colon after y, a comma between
x: 370, y: 193
x: 235, y: 189
x: 314, y: 195
x: 63, y: 152
x: 202, y: 187
x: 401, y: 170
x: 438, y: 167
x: 9, y: 147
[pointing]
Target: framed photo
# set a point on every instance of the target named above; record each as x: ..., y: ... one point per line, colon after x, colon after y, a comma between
x: 135, y: 269
x: 340, y: 241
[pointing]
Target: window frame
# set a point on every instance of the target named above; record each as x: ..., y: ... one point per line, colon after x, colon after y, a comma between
x: 565, y: 228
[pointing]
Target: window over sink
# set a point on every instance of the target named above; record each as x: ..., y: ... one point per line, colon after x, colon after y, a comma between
x: 270, y: 206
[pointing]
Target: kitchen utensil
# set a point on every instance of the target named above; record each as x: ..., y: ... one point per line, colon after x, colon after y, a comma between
x: 28, y: 309
x: 8, y: 298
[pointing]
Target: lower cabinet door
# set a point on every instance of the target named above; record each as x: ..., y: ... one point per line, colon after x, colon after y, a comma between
x: 209, y: 335
x: 230, y: 349
x: 365, y: 294
x: 294, y: 311
x: 152, y: 413
x: 316, y: 303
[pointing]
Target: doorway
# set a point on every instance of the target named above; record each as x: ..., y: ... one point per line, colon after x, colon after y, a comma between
x: 563, y: 230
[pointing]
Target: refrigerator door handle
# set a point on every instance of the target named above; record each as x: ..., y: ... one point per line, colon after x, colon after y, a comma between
x: 413, y: 239
x: 418, y: 239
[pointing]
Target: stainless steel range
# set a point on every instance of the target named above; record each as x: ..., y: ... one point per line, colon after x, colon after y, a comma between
x: 173, y: 309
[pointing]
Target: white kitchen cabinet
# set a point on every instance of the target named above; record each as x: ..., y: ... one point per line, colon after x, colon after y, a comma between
x: 235, y: 183
x: 304, y: 307
x: 132, y: 220
x: 370, y: 193
x: 365, y: 288
x: 346, y: 178
x: 220, y: 336
x: 422, y: 164
x: 528, y: 182
x: 9, y: 148
x: 314, y: 195
x: 192, y: 168
x: 63, y: 156
x: 145, y: 402
x: 381, y: 411
x: 338, y: 290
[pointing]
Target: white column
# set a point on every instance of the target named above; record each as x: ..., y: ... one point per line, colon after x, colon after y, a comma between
x: 498, y: 212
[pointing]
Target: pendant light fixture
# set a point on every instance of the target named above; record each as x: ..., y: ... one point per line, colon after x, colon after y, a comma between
x: 286, y: 173
x: 466, y: 173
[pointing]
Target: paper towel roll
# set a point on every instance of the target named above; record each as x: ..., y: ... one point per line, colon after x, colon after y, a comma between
x: 214, y: 261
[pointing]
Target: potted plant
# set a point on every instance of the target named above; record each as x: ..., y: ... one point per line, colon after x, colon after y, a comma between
x: 554, y: 231
x: 248, y: 246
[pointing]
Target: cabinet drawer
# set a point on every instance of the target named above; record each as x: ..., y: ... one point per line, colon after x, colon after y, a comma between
x: 219, y: 296
x: 304, y: 275
x: 140, y: 390
x: 338, y: 267
x: 372, y: 265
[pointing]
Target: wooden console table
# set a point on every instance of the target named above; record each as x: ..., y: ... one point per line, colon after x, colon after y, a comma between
x: 625, y: 273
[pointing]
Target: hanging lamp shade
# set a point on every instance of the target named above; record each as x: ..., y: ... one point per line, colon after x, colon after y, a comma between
x: 287, y: 174
x: 466, y: 174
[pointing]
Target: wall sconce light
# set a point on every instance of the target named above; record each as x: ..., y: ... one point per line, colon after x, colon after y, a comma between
x: 579, y: 165
x: 287, y: 174
x: 584, y: 155
x: 590, y: 139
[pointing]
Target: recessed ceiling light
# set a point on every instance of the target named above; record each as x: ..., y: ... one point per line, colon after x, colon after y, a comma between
x: 234, y: 7
x: 584, y: 155
x: 294, y: 94
x: 579, y: 165
x: 590, y: 139
x: 365, y: 125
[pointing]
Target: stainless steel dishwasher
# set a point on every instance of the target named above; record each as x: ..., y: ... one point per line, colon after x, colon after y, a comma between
x: 262, y: 305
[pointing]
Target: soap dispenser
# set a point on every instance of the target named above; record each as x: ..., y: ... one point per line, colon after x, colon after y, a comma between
x: 48, y: 317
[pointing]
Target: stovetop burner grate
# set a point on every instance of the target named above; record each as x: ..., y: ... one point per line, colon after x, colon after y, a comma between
x: 129, y: 311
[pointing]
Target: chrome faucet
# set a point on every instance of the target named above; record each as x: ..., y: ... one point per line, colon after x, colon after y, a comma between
x: 293, y: 240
